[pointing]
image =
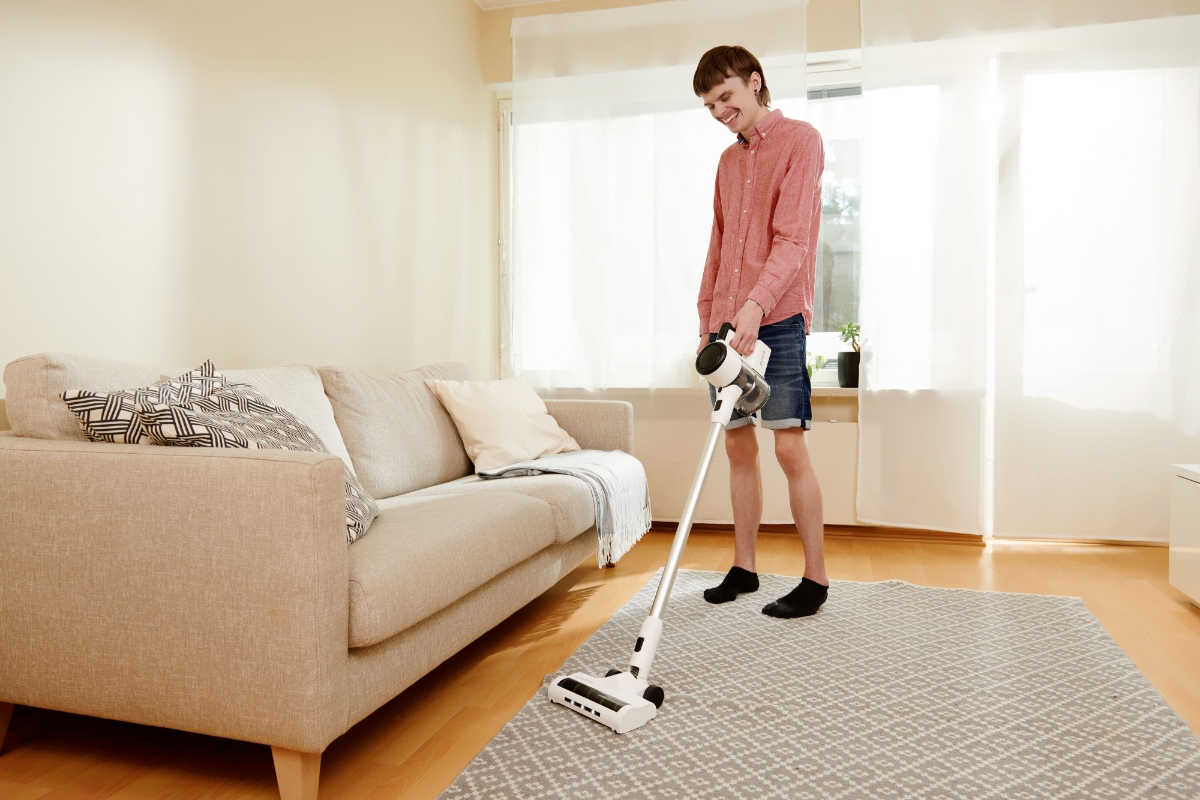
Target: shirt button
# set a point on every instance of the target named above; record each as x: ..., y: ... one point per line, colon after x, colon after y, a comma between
x: 751, y: 152
x: 747, y: 180
x: 744, y: 210
x: 735, y: 270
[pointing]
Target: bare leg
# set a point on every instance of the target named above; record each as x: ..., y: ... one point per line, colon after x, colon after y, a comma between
x: 745, y: 490
x: 805, y: 495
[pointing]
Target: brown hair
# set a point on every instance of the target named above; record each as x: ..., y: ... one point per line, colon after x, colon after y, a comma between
x: 724, y: 62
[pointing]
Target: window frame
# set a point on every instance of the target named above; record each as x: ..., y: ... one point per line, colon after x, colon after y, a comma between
x: 827, y: 85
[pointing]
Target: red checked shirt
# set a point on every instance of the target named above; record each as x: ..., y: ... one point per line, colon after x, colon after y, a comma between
x: 766, y: 218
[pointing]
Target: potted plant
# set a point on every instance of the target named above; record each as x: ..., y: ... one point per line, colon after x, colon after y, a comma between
x: 849, y: 360
x: 814, y: 363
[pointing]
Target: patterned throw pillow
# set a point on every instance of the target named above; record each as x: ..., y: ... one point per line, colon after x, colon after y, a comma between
x: 237, y: 415
x: 110, y: 416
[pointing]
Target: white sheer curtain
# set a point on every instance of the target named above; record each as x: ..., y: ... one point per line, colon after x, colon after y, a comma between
x: 613, y: 172
x: 1031, y: 276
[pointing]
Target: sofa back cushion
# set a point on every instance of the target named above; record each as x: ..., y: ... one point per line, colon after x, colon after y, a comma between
x: 399, y: 436
x: 35, y: 410
x: 298, y: 389
x: 113, y: 417
x: 33, y: 384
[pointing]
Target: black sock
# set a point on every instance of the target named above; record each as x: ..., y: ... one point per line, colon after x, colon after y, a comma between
x: 737, y: 581
x: 803, y: 601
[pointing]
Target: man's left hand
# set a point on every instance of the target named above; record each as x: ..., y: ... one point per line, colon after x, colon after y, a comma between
x: 745, y: 325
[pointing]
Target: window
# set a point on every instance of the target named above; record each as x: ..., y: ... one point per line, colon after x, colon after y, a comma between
x: 647, y: 175
x: 836, y: 111
x: 1096, y: 241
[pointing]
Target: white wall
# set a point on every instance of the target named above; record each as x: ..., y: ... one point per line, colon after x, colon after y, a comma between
x: 252, y: 182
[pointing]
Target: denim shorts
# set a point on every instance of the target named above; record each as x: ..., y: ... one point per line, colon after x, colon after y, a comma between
x: 790, y: 405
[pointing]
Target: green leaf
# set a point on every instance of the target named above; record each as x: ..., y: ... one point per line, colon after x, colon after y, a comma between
x: 850, y: 333
x: 815, y: 363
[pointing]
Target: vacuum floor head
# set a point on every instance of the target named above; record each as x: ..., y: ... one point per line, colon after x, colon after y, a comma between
x: 618, y: 701
x: 624, y: 701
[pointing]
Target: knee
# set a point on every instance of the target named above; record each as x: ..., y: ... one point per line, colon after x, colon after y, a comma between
x: 792, y: 453
x: 741, y: 445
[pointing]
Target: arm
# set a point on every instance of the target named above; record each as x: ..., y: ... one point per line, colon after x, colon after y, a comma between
x: 712, y: 262
x: 595, y: 424
x: 198, y: 589
x: 799, y: 196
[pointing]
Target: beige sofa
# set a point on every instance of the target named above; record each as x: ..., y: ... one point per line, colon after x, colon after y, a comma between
x: 213, y: 590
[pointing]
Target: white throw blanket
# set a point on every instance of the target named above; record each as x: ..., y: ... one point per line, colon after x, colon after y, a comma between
x: 620, y: 493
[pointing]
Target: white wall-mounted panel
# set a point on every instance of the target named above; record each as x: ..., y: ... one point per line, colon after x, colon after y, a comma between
x: 1185, y: 536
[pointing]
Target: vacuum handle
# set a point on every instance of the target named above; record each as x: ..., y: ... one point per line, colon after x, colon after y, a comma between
x: 725, y: 329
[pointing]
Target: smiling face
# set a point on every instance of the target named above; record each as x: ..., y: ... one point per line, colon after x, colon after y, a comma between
x: 735, y: 105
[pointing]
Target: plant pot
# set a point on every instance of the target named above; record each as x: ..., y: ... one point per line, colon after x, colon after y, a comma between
x: 848, y: 369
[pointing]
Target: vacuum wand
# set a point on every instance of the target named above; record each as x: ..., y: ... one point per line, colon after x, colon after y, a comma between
x: 685, y: 523
x: 625, y: 700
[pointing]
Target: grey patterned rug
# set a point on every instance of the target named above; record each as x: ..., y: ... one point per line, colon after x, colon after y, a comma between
x: 891, y: 691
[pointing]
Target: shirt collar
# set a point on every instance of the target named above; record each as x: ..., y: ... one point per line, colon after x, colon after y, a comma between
x: 764, y: 126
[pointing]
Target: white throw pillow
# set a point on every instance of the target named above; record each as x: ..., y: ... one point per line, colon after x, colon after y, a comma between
x: 501, y: 422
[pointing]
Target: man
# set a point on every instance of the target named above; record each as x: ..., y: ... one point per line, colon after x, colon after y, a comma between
x: 760, y: 275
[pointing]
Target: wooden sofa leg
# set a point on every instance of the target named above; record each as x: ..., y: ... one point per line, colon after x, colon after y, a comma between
x: 6, y: 710
x: 297, y: 773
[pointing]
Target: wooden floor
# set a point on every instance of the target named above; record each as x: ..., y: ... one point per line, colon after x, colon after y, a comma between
x: 414, y: 746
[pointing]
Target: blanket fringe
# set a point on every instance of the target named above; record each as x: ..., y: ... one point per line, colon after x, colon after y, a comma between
x: 623, y: 539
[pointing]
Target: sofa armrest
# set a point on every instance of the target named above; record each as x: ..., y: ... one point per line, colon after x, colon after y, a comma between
x: 197, y: 589
x: 596, y: 424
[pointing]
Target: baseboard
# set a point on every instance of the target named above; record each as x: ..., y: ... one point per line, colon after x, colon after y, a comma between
x: 840, y: 532
x: 903, y: 534
x: 1094, y: 542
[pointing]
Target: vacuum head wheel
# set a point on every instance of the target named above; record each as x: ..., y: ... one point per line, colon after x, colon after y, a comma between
x: 655, y: 695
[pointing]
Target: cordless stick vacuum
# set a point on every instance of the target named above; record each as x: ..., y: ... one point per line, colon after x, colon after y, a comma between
x: 626, y: 700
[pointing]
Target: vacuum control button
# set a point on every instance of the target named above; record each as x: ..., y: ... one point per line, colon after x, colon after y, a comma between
x: 637, y: 646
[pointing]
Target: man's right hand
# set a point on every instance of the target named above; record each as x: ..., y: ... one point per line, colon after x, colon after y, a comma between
x: 703, y: 343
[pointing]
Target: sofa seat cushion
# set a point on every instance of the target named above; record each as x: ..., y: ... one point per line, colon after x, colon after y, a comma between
x: 426, y: 552
x: 569, y: 498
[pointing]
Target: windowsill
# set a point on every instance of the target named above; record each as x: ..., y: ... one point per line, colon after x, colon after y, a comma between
x: 825, y: 384
x: 686, y: 397
x: 833, y: 391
